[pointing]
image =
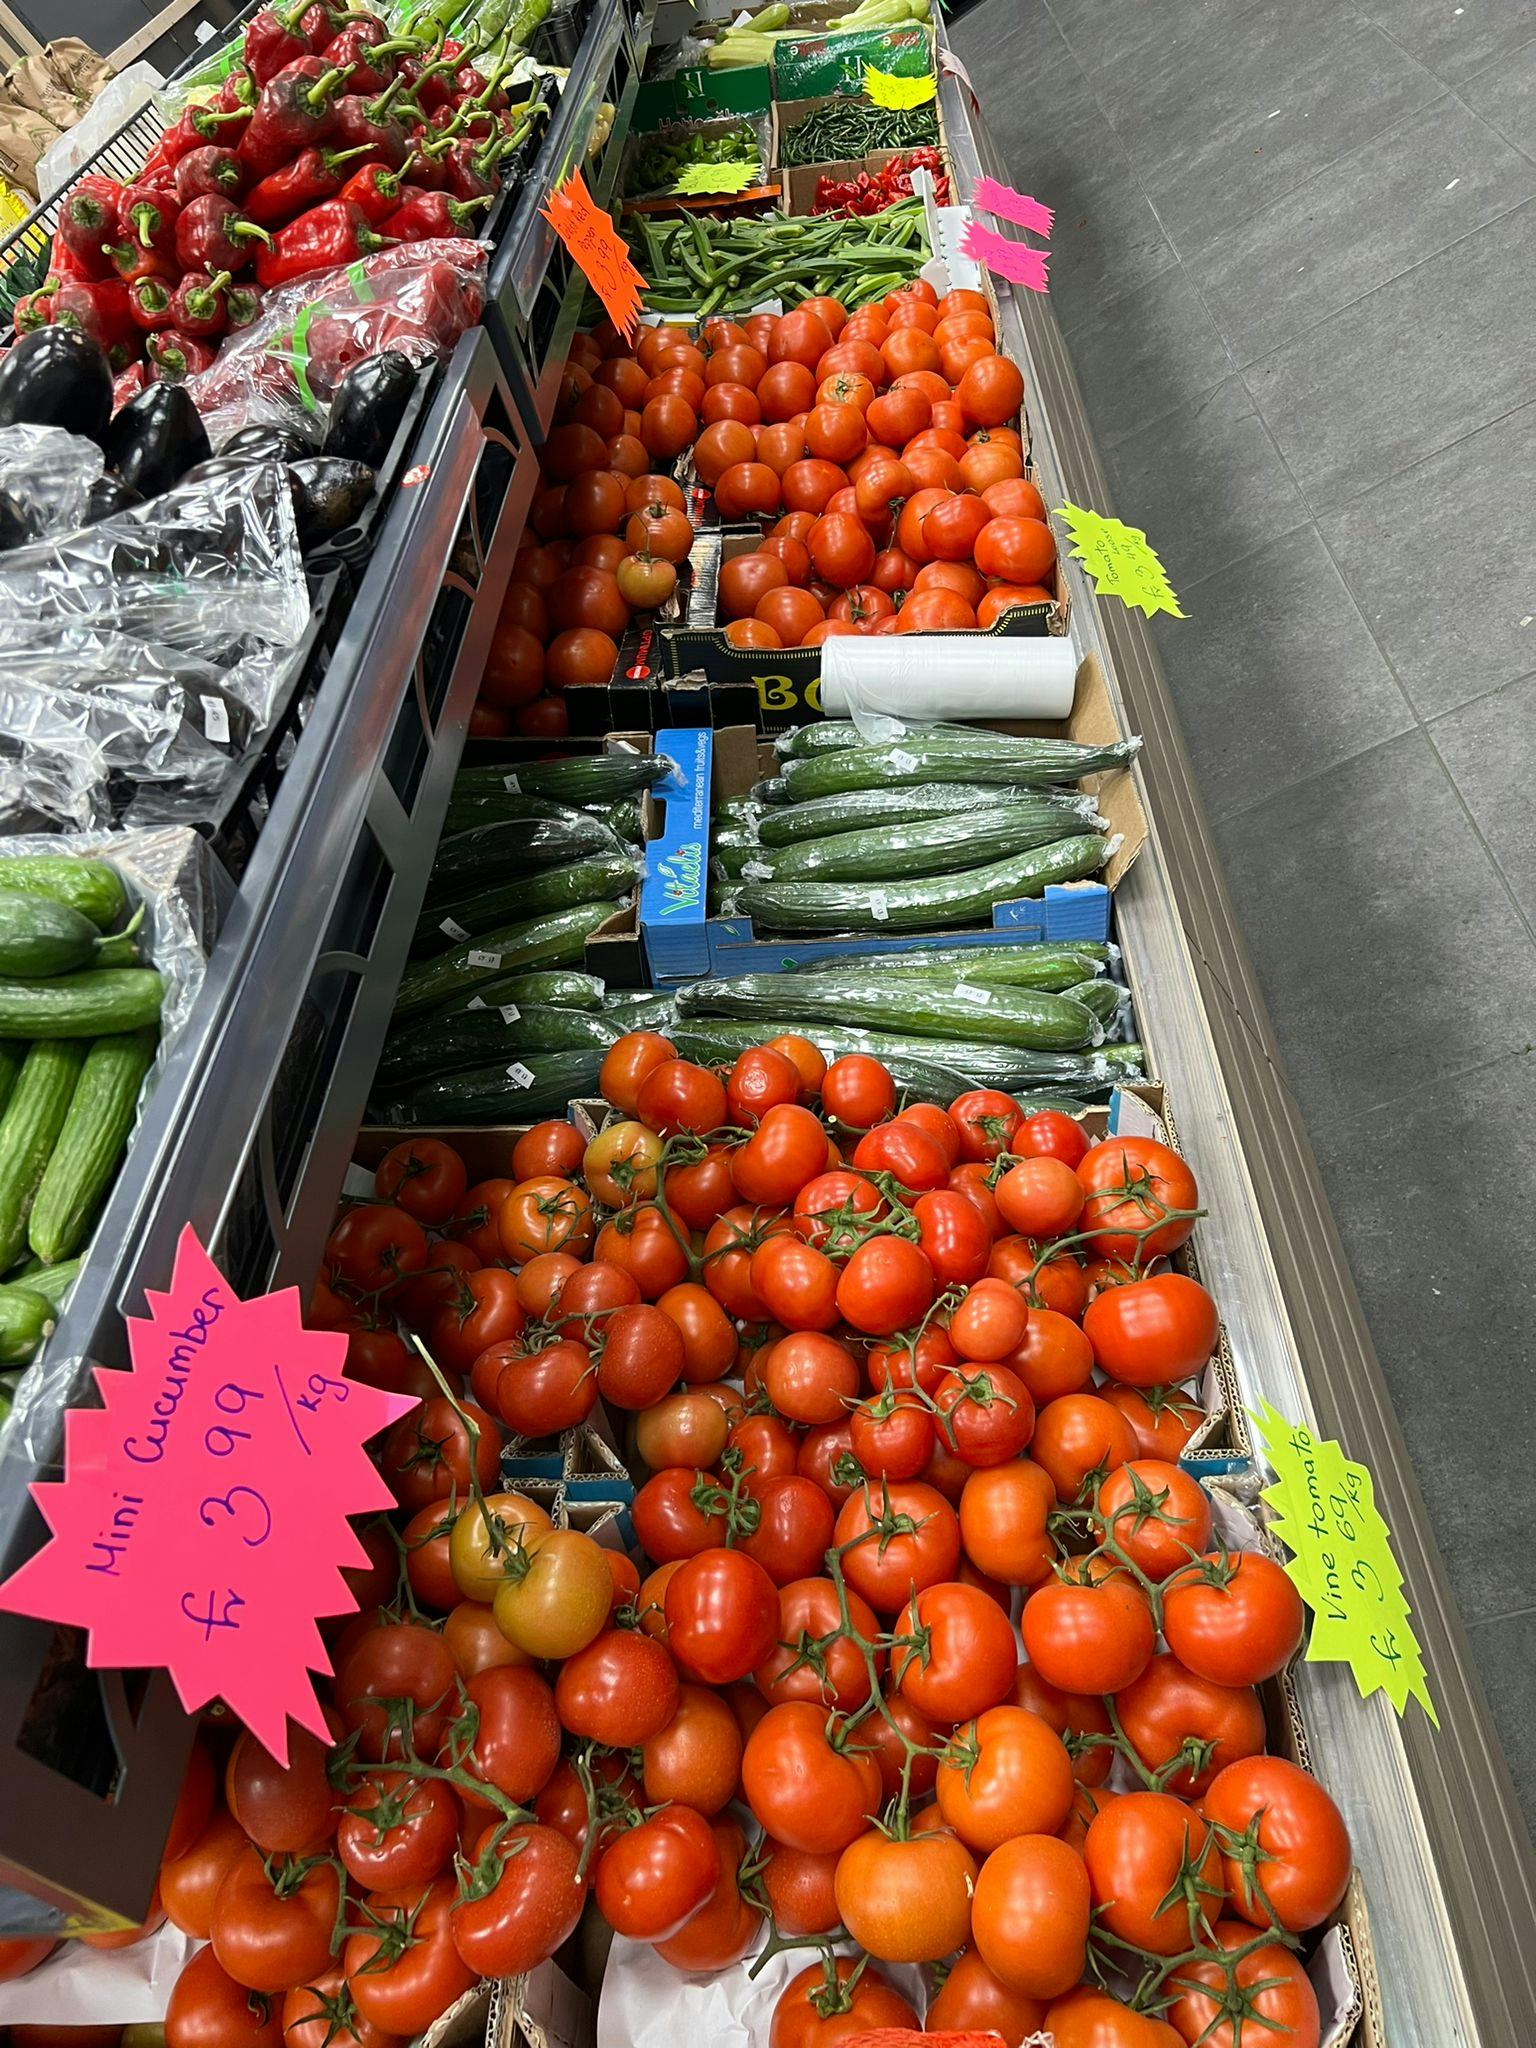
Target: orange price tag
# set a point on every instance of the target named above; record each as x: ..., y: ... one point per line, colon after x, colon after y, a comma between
x: 598, y: 248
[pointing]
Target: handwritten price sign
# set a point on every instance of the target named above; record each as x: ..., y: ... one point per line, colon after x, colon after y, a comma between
x: 201, y: 1523
x: 1120, y: 560
x: 1343, y: 1565
x: 599, y: 249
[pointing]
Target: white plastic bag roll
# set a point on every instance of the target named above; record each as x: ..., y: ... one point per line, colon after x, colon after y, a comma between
x: 946, y: 675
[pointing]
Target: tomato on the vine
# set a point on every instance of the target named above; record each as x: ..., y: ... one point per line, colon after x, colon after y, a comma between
x: 1006, y: 1773
x: 813, y: 2014
x: 620, y: 1690
x: 424, y: 1177
x: 1156, y: 1514
x: 905, y: 1537
x: 1133, y: 1186
x: 1030, y: 1915
x: 1284, y: 1843
x: 886, y: 1285
x: 805, y: 1791
x: 1234, y: 1619
x: 1154, y: 1331
x: 1267, y: 1994
x: 1087, y: 1634
x: 722, y: 1613
x: 906, y: 1901
x: 965, y: 1657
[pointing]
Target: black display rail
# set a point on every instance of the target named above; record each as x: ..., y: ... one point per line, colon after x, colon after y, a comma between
x: 250, y: 1129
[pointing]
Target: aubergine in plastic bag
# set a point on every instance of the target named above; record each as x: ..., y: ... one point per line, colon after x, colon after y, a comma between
x: 46, y: 475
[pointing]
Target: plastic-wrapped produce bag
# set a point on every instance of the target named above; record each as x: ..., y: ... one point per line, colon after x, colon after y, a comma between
x: 45, y: 482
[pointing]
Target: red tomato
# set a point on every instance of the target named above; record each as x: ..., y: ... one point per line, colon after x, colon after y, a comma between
x: 1156, y: 1514
x: 696, y: 1758
x: 516, y: 1741
x: 787, y: 1149
x: 1088, y: 1635
x: 886, y: 1285
x: 954, y: 1239
x: 906, y: 1537
x: 726, y: 1926
x: 1168, y: 1713
x: 968, y: 1658
x: 1008, y: 1774
x: 652, y: 1878
x: 892, y: 1435
x: 974, y: 2001
x: 1235, y: 1619
x: 805, y: 2017
x: 1078, y: 1438
x: 1162, y: 1419
x: 991, y: 1322
x: 1302, y: 1844
x: 987, y: 1416
x: 804, y: 1791
x: 1030, y: 1915
x: 1003, y: 1516
x: 424, y: 1177
x: 722, y: 1614
x: 1274, y: 1988
x: 1141, y: 1198
x: 620, y: 1690
x: 398, y: 1831
x: 375, y: 1248
x: 272, y: 1932
x: 402, y: 1984
x: 836, y: 1676
x: 1086, y: 2018
x: 398, y: 1661
x: 208, y: 2009
x: 530, y: 1909
x: 906, y: 1901
x: 809, y: 1376
x: 669, y: 1521
x: 987, y: 1121
x: 1152, y: 1331
x: 905, y: 1150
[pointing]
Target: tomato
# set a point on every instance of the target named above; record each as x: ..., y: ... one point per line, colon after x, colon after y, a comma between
x: 271, y: 1932
x: 287, y: 1810
x: 886, y: 1568
x: 905, y: 1362
x: 1073, y: 1716
x: 375, y: 1248
x: 810, y: 485
x: 804, y: 1791
x: 811, y: 1659
x: 831, y: 1209
x: 699, y: 1192
x: 579, y: 657
x: 587, y: 1299
x: 668, y: 424
x: 787, y: 1149
x: 1055, y: 1358
x: 641, y: 1356
x: 1152, y: 1331
x: 953, y: 1237
x: 973, y: 2001
x: 1154, y: 1870
x: 1169, y: 1713
x: 1088, y: 1635
x: 826, y: 1457
x: 790, y: 614
x: 619, y: 1165
x: 709, y: 1336
x: 810, y: 1377
x: 1078, y: 1438
x: 401, y: 1660
x: 1236, y: 1620
x: 797, y: 1286
x: 543, y: 1392
x: 620, y: 1690
x: 1156, y: 1514
x: 1008, y: 1773
x: 1133, y: 1185
x: 208, y: 2009
x: 405, y: 1990
x: 556, y: 1595
x: 545, y: 1214
x: 189, y: 1883
x: 987, y: 1120
x: 1086, y: 2018
x: 726, y: 1926
x: 485, y: 1534
x: 1041, y: 1197
x: 991, y: 1322
x: 1162, y: 1419
x: 652, y: 1878
x: 397, y: 1830
x: 1301, y: 1870
x: 906, y: 1901
x: 1029, y: 1918
x: 722, y: 1614
x: 794, y: 1529
x: 1018, y: 551
x: 892, y: 1435
x: 627, y: 1063
x: 967, y: 1657
x: 687, y: 1429
x: 986, y: 1416
x: 800, y: 1887
x: 887, y: 1283
x: 646, y: 1245
x: 1267, y: 1996
x: 474, y: 1222
x: 696, y: 1758
x: 562, y: 1804
x: 1003, y: 1511
x: 324, y: 2015
x: 815, y: 2013
x: 482, y: 1309
x: 669, y: 1520
x: 424, y: 1177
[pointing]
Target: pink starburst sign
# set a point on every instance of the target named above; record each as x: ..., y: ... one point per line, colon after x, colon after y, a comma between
x: 201, y: 1523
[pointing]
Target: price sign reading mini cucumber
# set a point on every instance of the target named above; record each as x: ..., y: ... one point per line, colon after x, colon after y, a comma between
x: 201, y: 1523
x: 1120, y: 561
x: 900, y: 93
x: 599, y: 249
x: 1343, y: 1565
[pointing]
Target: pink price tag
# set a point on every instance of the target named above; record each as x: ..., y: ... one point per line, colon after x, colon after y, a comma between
x: 1006, y: 259
x: 1018, y: 207
x: 201, y: 1520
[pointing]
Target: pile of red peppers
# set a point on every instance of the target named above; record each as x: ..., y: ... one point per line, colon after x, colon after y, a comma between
x: 874, y: 191
x: 330, y: 141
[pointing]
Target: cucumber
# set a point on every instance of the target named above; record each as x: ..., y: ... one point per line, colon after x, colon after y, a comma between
x: 640, y: 1009
x: 573, y: 779
x: 774, y: 791
x: 1024, y: 963
x: 835, y: 735
x: 860, y: 809
x: 929, y: 846
x: 1028, y: 1018
x: 54, y: 1283
x: 12, y: 1053
x: 489, y: 1095
x: 515, y: 846
x: 480, y: 1036
x: 84, y: 1005
x: 729, y: 861
x: 40, y: 936
x: 718, y: 1040
x: 1108, y: 1001
x: 929, y: 904
x: 626, y: 820
x: 26, y: 1318
x: 554, y: 940
x: 560, y: 988
x: 91, y: 1143
x: 29, y: 1130
x: 525, y: 896
x: 120, y: 950
x: 913, y: 760
x: 89, y: 886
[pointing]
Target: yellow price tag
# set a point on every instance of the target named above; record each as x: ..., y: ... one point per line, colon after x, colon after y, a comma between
x: 887, y: 91
x: 1120, y: 561
x: 704, y: 178
x: 1343, y: 1565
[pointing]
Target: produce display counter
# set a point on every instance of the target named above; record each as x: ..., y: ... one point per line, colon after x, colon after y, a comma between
x: 255, y: 1120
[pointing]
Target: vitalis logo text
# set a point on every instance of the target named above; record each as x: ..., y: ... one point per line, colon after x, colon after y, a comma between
x: 682, y: 878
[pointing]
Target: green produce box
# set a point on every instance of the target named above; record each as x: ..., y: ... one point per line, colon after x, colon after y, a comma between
x: 835, y: 63
x: 702, y: 95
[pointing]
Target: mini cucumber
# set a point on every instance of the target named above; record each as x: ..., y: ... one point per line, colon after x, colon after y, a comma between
x: 26, y: 1318
x: 54, y: 1283
x: 551, y: 941
x: 83, y: 1005
x: 89, y: 886
x: 90, y: 1145
x: 29, y: 1130
x: 40, y: 936
x: 928, y: 904
x: 719, y: 1039
x: 572, y: 779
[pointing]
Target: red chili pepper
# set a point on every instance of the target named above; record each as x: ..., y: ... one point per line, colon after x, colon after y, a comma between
x: 178, y: 356
x: 294, y: 110
x: 242, y: 303
x: 432, y: 216
x: 201, y: 125
x: 209, y: 169
x: 275, y: 38
x: 211, y: 235
x: 375, y: 190
x: 102, y: 311
x: 373, y: 124
x: 149, y: 218
x: 90, y: 216
x: 321, y: 239
x: 314, y: 174
x: 149, y: 302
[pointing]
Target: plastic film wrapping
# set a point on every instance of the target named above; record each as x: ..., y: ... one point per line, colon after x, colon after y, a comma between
x: 951, y: 675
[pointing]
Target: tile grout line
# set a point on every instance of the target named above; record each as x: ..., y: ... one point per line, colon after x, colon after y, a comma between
x: 1421, y: 1088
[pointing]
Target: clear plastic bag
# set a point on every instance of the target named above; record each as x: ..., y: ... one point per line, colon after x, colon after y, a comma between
x: 415, y: 299
x: 45, y: 478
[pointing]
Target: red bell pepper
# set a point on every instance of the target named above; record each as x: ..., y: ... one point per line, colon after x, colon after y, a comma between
x: 131, y: 260
x: 178, y: 356
x: 209, y: 169
x: 212, y: 235
x: 322, y: 239
x: 432, y: 216
x: 373, y: 124
x: 371, y: 58
x: 197, y: 305
x: 274, y: 38
x: 296, y: 109
x: 238, y: 94
x: 90, y: 216
x: 471, y: 168
x: 102, y: 311
x: 314, y: 174
x: 242, y: 303
x: 35, y: 309
x: 375, y: 190
x: 128, y: 386
x: 149, y: 302
x: 149, y: 218
x: 201, y: 125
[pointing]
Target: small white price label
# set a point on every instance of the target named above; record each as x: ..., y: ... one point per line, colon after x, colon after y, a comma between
x: 511, y: 784
x: 510, y: 1013
x: 902, y: 761
x: 476, y: 1003
x: 519, y: 1075
x: 970, y: 993
x: 454, y: 929
x: 484, y: 959
x: 215, y: 719
x: 879, y: 906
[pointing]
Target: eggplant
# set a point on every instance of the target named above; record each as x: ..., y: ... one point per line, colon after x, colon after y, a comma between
x: 331, y: 494
x: 57, y: 377
x: 156, y: 439
x: 19, y: 523
x: 276, y: 442
x: 109, y: 496
x: 368, y: 407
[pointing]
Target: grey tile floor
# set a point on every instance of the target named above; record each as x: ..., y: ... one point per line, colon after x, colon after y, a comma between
x: 1295, y: 262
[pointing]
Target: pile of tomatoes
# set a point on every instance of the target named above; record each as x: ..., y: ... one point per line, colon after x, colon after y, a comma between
x: 880, y: 447
x: 896, y: 1376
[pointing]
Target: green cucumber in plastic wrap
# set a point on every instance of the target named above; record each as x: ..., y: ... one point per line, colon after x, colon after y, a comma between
x: 474, y: 1039
x: 858, y: 810
x: 586, y: 881
x: 1030, y: 1018
x: 930, y: 903
x: 1021, y: 963
x: 914, y: 760
x: 927, y: 846
x: 640, y: 1009
x: 558, y: 988
x: 555, y: 940
x: 1109, y: 1002
x: 508, y: 1092
x: 516, y: 846
x: 718, y: 1040
x: 572, y: 779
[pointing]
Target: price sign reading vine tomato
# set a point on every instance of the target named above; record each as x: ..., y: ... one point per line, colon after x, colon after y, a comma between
x: 201, y: 1523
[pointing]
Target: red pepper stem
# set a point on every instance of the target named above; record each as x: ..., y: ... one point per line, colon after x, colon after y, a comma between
x: 248, y: 227
x: 345, y: 156
x: 378, y: 108
x: 217, y: 282
x: 289, y: 17
x: 326, y: 84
